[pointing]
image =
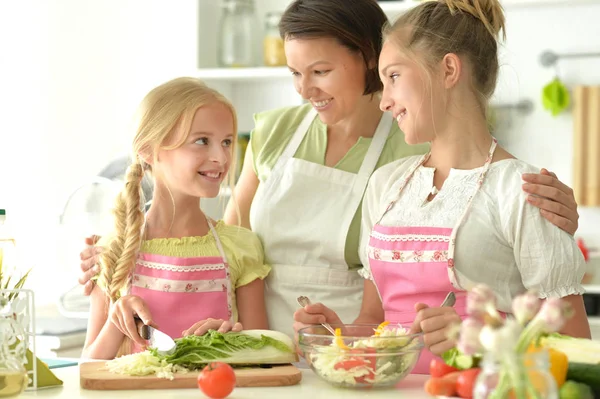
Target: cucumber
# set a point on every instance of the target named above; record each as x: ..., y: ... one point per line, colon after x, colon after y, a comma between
x: 589, y: 374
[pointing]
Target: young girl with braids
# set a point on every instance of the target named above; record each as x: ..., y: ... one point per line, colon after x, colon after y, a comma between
x: 174, y: 268
x: 454, y: 217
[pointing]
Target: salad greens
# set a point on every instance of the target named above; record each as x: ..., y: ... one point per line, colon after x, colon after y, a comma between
x: 368, y: 361
x: 193, y: 352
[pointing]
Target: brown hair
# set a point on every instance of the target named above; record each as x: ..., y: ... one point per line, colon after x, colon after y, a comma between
x: 355, y: 24
x: 469, y: 28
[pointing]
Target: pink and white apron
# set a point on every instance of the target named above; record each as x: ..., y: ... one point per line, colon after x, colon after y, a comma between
x: 182, y: 291
x: 416, y: 264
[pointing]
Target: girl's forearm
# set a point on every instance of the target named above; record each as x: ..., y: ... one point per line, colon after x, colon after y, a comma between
x: 106, y: 345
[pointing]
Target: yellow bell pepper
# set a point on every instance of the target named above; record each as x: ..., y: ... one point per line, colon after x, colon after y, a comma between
x: 559, y: 363
x: 380, y: 328
x: 338, y: 339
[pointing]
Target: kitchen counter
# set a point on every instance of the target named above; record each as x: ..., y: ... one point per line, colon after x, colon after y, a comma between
x: 310, y: 387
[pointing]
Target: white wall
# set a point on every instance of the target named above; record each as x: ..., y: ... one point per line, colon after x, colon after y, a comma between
x: 73, y: 71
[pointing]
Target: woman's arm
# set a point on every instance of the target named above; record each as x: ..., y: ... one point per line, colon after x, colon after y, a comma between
x: 238, y: 208
x: 578, y: 325
x: 250, y: 300
x: 371, y: 310
x: 103, y: 338
x: 555, y: 199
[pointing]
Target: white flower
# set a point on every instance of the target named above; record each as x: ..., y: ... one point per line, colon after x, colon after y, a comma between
x: 526, y: 306
x: 500, y: 339
x: 480, y: 300
x: 468, y: 342
x: 553, y: 314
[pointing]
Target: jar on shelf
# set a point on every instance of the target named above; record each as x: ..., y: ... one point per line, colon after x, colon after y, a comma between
x: 237, y: 39
x: 516, y: 376
x: 273, y: 52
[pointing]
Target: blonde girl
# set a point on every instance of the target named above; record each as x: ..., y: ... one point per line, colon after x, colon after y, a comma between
x: 174, y: 268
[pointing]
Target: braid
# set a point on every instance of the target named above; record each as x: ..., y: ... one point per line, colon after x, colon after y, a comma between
x: 118, y: 261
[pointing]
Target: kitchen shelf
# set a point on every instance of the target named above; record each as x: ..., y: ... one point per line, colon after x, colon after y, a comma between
x: 400, y: 6
x: 244, y: 74
x: 592, y: 288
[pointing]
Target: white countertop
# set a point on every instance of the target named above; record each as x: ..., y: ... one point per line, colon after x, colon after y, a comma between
x: 311, y: 387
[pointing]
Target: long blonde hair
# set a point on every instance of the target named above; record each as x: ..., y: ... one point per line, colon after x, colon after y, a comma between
x: 166, y: 109
x: 469, y: 28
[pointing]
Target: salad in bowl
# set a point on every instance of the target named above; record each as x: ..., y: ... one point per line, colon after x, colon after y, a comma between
x: 360, y: 356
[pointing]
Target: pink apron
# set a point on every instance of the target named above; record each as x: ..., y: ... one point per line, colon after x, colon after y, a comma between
x: 416, y: 264
x: 182, y: 291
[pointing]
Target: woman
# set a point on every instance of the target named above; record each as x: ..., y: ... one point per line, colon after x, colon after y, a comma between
x: 307, y: 167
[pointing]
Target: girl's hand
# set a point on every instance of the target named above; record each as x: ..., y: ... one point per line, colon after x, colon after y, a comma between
x: 555, y: 199
x: 122, y: 315
x: 202, y: 327
x: 435, y: 323
x: 315, y: 313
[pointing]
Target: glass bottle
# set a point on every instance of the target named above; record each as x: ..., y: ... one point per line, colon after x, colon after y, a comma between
x: 237, y: 34
x: 502, y: 378
x: 8, y: 252
x: 273, y: 51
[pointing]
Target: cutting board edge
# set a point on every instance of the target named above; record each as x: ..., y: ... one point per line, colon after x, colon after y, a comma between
x: 292, y: 376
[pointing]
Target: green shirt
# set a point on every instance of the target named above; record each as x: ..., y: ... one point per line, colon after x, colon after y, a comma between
x: 273, y: 131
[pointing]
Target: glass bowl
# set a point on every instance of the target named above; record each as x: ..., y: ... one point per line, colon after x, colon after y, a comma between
x: 358, y: 358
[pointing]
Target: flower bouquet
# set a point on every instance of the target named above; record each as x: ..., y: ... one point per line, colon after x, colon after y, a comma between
x: 510, y: 368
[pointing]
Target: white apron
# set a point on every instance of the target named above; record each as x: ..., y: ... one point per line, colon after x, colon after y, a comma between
x: 302, y: 214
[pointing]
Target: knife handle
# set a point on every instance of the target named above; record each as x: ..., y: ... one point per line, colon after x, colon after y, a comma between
x: 142, y: 329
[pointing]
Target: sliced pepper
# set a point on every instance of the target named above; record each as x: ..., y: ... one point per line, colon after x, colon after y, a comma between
x: 338, y: 339
x: 380, y: 328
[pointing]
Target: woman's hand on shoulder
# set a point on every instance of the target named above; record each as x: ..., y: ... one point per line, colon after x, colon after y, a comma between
x: 555, y: 199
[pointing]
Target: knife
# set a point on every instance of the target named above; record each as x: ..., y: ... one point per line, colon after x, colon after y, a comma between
x: 160, y: 341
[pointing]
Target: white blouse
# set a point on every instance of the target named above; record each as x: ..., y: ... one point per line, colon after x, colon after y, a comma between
x: 504, y: 242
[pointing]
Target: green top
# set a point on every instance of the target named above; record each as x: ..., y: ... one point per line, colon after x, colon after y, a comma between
x: 242, y: 247
x: 273, y: 131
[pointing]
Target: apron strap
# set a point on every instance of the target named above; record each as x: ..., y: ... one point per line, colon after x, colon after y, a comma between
x: 377, y: 143
x: 462, y: 218
x: 297, y: 138
x: 373, y: 153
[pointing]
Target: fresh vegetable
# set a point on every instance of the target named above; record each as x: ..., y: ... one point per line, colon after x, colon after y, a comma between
x: 143, y: 363
x: 575, y: 390
x: 454, y: 358
x: 240, y: 348
x: 439, y: 368
x: 466, y: 382
x: 217, y: 380
x: 193, y: 352
x: 588, y: 374
x: 578, y: 350
x: 439, y: 386
x: 370, y: 361
x: 559, y: 363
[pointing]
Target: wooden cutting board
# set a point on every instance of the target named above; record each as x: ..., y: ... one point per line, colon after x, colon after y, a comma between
x: 92, y: 376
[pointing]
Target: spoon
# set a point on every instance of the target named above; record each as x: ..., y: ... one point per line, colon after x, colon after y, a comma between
x: 449, y: 301
x: 304, y: 301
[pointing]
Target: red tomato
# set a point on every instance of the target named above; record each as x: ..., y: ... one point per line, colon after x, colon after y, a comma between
x: 217, y: 380
x: 438, y: 368
x: 466, y: 382
x: 360, y: 361
x: 436, y: 386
